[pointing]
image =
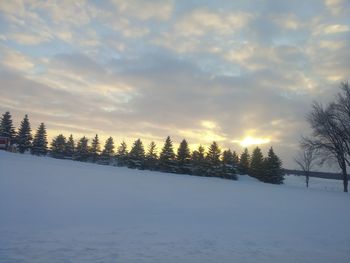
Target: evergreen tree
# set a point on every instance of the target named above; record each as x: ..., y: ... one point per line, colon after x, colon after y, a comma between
x: 109, y: 147
x: 183, y: 158
x: 6, y: 127
x: 213, y: 160
x: 82, y: 150
x: 24, y: 136
x: 122, y: 154
x: 198, y: 161
x: 235, y: 158
x: 70, y: 147
x: 257, y: 164
x: 95, y: 148
x: 39, y: 146
x: 137, y: 155
x: 108, y: 151
x: 227, y: 157
x: 58, y: 146
x: 151, y: 157
x: 273, y: 169
x: 167, y: 157
x: 244, y: 162
x: 228, y: 167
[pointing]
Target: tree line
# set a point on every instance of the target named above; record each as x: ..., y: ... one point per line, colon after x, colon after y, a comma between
x: 212, y: 163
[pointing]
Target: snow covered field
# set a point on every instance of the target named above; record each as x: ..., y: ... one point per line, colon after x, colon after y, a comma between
x: 64, y: 211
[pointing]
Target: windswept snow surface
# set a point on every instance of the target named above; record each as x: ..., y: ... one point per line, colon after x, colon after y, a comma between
x: 64, y: 211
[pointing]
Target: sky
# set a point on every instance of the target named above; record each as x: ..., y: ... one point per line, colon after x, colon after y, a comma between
x: 242, y: 73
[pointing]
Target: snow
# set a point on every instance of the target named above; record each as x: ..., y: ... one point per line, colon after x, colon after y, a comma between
x: 64, y: 211
x: 315, y: 183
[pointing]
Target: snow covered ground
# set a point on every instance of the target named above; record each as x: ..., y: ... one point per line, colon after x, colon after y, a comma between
x: 64, y: 211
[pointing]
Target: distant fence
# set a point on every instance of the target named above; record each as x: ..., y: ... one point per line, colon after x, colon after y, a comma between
x: 336, y: 176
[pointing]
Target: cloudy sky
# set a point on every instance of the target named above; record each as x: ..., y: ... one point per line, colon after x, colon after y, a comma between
x: 237, y: 72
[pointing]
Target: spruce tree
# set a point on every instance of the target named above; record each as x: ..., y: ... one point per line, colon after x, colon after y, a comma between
x: 122, y: 154
x: 198, y: 162
x: 183, y: 158
x: 151, y: 157
x: 109, y: 147
x: 137, y: 155
x: 82, y: 150
x: 235, y: 158
x: 58, y: 146
x: 257, y: 164
x: 39, y: 146
x: 108, y: 151
x: 213, y: 160
x: 24, y: 136
x: 6, y: 127
x: 273, y: 169
x: 95, y: 148
x: 244, y: 162
x: 167, y: 157
x: 70, y: 147
x: 227, y: 157
x: 228, y: 166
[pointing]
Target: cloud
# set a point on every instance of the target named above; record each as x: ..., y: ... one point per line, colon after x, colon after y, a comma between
x: 144, y: 10
x: 201, y: 70
x: 16, y: 60
x: 29, y: 39
x: 192, y: 30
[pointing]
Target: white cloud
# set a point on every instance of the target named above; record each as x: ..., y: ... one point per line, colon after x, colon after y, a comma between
x: 29, y: 39
x: 332, y: 29
x: 15, y: 60
x: 144, y: 10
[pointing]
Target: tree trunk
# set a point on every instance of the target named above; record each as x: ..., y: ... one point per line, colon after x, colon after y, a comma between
x: 345, y: 177
x: 307, y: 180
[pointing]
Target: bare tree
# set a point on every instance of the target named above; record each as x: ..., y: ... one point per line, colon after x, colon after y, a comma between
x: 329, y: 139
x: 306, y: 158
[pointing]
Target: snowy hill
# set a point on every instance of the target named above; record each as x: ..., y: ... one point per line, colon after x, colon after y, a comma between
x: 65, y: 211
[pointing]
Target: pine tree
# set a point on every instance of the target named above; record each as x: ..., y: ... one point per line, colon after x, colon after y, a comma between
x: 213, y: 160
x: 58, y: 146
x: 167, y: 157
x: 122, y: 154
x: 6, y: 127
x: 109, y: 147
x: 108, y: 151
x: 198, y: 162
x: 244, y: 162
x: 70, y: 147
x: 82, y: 150
x: 39, y: 146
x: 235, y: 158
x: 95, y: 148
x: 227, y: 157
x: 151, y: 157
x: 137, y: 155
x: 228, y: 166
x: 257, y: 164
x: 183, y: 158
x: 24, y: 136
x: 273, y: 169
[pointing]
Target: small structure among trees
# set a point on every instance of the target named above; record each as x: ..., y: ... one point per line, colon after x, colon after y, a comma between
x: 4, y: 143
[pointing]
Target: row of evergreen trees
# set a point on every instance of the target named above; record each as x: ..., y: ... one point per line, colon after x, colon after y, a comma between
x: 214, y: 162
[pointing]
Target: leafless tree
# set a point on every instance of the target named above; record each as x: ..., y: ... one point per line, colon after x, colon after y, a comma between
x: 331, y: 133
x: 306, y: 158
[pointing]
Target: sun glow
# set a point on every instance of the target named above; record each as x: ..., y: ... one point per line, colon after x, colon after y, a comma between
x: 248, y: 141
